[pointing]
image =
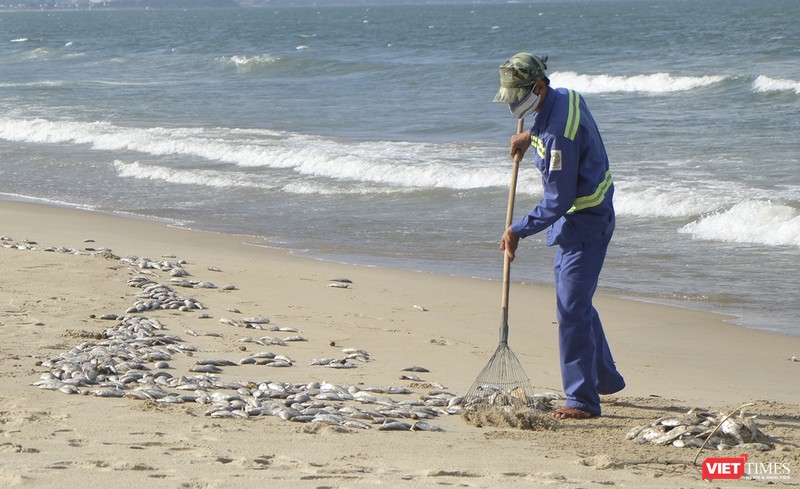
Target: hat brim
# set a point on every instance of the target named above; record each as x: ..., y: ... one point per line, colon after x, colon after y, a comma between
x: 511, y: 95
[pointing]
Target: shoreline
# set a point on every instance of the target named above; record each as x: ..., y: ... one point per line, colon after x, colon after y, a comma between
x: 673, y: 360
x: 363, y: 261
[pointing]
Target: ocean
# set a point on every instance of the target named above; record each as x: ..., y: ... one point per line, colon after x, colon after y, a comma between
x: 367, y: 134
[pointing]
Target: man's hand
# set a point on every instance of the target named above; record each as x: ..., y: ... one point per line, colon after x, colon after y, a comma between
x: 520, y: 143
x: 509, y: 242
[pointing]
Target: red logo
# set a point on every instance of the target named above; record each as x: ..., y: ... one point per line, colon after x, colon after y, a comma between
x: 724, y: 468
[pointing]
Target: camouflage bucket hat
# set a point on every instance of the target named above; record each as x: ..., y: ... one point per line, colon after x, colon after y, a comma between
x: 517, y: 76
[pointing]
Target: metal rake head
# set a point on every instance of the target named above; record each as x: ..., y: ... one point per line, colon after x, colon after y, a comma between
x: 501, y: 383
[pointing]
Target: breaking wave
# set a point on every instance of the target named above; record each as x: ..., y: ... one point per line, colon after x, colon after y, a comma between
x: 655, y: 83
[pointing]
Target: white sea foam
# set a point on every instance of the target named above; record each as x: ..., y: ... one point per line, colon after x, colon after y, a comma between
x: 764, y: 84
x: 38, y: 83
x: 751, y: 222
x: 248, y: 63
x: 207, y: 178
x: 390, y: 164
x: 656, y: 83
x: 667, y: 200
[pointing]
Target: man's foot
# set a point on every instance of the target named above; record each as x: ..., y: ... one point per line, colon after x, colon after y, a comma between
x: 572, y: 413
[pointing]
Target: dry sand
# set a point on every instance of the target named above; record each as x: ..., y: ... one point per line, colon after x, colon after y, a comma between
x: 673, y: 360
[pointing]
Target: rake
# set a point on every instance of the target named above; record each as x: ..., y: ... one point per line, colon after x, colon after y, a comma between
x: 502, y: 383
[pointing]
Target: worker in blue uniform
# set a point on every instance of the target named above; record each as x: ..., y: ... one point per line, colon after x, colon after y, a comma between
x: 578, y: 213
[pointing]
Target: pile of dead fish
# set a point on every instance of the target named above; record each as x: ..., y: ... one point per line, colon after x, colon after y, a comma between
x: 119, y: 366
x: 131, y: 360
x: 156, y: 296
x: 699, y: 428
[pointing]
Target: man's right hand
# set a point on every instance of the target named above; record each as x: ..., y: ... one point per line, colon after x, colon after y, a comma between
x: 520, y: 143
x: 509, y: 242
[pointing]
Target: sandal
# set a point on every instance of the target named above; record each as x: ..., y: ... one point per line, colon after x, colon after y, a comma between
x: 572, y: 413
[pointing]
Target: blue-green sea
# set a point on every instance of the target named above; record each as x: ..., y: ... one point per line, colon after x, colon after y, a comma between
x: 367, y: 134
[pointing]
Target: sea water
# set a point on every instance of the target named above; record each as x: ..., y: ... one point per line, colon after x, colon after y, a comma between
x: 366, y: 134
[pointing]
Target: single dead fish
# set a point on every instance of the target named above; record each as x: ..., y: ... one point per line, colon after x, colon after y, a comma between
x: 395, y: 426
x: 425, y: 426
x: 415, y: 368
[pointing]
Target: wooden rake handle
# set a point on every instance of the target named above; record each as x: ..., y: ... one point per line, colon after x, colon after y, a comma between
x: 512, y: 193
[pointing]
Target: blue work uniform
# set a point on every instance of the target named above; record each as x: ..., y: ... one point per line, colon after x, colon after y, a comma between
x: 578, y: 212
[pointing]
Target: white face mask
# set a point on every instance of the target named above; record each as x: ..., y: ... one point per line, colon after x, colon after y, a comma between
x: 525, y: 107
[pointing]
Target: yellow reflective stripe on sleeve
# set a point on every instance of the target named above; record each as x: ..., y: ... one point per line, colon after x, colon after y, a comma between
x: 538, y: 144
x: 574, y: 116
x: 596, y: 198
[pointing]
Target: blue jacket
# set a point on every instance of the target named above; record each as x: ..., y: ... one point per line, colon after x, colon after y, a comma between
x: 577, y: 206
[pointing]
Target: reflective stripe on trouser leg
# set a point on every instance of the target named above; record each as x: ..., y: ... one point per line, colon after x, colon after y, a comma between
x: 584, y: 353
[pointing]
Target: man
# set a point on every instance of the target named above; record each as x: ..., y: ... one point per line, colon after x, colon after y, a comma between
x: 578, y: 213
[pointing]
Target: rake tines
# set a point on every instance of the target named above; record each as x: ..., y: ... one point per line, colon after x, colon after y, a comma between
x: 501, y: 383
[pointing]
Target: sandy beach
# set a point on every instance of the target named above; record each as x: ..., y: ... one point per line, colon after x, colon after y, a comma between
x: 51, y: 301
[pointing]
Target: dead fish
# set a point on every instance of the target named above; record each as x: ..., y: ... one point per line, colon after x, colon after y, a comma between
x: 341, y: 364
x: 411, y: 377
x: 648, y: 434
x: 69, y: 389
x: 271, y: 340
x: 365, y: 397
x: 295, y: 338
x: 322, y: 361
x: 342, y: 280
x: 338, y: 285
x: 330, y: 419
x: 257, y: 320
x: 108, y: 392
x: 231, y: 322
x: 279, y: 363
x: 688, y: 442
x: 634, y: 432
x: 668, y: 437
x: 356, y: 350
x: 398, y: 390
x: 425, y: 426
x: 285, y: 329
x: 353, y: 423
x: 419, y: 308
x: 217, y: 363
x: 209, y: 369
x: 395, y: 426
x: 415, y: 368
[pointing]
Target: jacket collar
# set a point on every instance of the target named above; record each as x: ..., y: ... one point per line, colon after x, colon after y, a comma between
x: 544, y: 111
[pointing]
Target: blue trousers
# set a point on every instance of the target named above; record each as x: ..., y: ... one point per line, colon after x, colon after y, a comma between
x: 587, y: 367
